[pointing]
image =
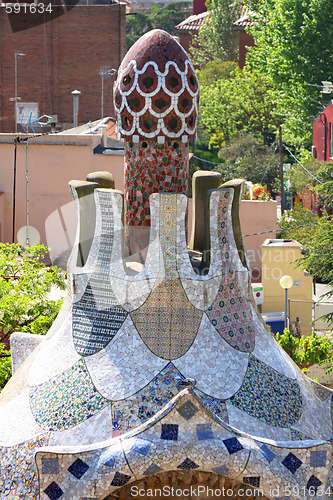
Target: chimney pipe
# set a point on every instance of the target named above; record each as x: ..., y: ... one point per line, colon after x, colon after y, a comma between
x: 76, y: 94
x: 104, y: 136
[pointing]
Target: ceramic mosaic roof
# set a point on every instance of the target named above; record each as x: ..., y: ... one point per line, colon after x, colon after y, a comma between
x: 163, y: 369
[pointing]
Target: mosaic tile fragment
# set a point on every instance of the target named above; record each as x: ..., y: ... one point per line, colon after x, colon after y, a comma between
x: 67, y: 400
x: 169, y: 432
x: 269, y: 396
x: 167, y: 322
x: 187, y: 410
x: 50, y: 465
x: 232, y: 445
x: 18, y: 469
x: 292, y: 463
x: 53, y: 491
x: 120, y: 479
x: 204, y: 431
x: 78, y: 468
x: 97, y: 316
x: 152, y: 469
x: 188, y: 464
x: 318, y: 458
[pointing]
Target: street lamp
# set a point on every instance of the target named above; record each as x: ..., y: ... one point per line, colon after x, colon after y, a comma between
x: 16, y: 55
x: 286, y: 282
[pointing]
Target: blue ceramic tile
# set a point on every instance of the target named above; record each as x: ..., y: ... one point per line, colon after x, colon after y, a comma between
x: 141, y: 446
x: 169, y: 432
x: 78, y: 468
x: 252, y: 480
x: 187, y: 410
x: 313, y: 484
x: 204, y: 431
x: 292, y: 463
x: 268, y: 454
x: 222, y: 469
x: 232, y: 445
x: 53, y: 491
x: 50, y: 466
x: 188, y: 464
x: 120, y: 479
x: 152, y: 469
x: 108, y: 458
x: 318, y: 458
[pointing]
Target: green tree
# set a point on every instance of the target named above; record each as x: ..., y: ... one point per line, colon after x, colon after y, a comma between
x: 216, y: 40
x: 294, y: 46
x: 165, y: 18
x: 24, y: 286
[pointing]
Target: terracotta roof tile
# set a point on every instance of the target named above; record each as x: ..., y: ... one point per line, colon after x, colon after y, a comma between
x: 193, y: 23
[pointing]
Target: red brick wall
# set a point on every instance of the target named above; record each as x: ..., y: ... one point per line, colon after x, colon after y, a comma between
x: 245, y: 40
x: 62, y: 55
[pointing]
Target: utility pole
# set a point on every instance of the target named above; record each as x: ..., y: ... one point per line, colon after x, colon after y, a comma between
x: 281, y: 170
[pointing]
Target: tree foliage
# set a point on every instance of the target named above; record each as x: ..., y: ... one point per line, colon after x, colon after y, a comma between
x: 294, y: 46
x: 216, y: 40
x: 24, y: 286
x: 165, y: 18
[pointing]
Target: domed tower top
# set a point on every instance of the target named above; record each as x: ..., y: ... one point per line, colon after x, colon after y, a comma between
x: 157, y: 91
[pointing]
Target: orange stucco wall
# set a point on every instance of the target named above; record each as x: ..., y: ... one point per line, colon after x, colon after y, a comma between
x: 52, y: 162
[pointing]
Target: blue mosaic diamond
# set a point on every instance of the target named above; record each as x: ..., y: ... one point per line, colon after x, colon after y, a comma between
x: 141, y: 446
x: 252, y: 481
x: 318, y: 458
x: 169, y: 432
x: 267, y: 452
x: 204, y: 431
x: 188, y: 464
x: 152, y: 469
x: 78, y: 468
x: 50, y: 466
x: 108, y: 458
x: 232, y: 445
x: 313, y: 484
x: 53, y: 491
x: 292, y: 463
x: 187, y: 410
x: 120, y: 479
x: 222, y: 469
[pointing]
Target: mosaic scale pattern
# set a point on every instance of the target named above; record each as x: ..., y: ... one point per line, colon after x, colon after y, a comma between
x: 244, y: 413
x: 98, y: 316
x: 18, y: 470
x: 65, y: 401
x: 167, y: 322
x: 269, y: 396
x: 230, y: 312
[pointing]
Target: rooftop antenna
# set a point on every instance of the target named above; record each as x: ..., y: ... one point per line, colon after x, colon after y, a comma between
x: 104, y: 73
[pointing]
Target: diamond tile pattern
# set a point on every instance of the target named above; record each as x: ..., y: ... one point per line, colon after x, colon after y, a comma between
x: 252, y: 480
x: 268, y: 454
x: 141, y: 446
x: 50, y: 466
x: 232, y: 445
x: 120, y: 479
x: 108, y: 458
x: 188, y: 464
x: 318, y: 458
x: 204, y: 431
x: 313, y: 484
x: 187, y: 410
x: 292, y: 463
x: 169, y: 432
x: 223, y: 469
x: 78, y: 468
x: 53, y: 491
x: 152, y: 469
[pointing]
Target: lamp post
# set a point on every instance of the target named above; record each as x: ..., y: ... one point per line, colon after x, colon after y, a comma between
x: 286, y: 282
x: 16, y: 55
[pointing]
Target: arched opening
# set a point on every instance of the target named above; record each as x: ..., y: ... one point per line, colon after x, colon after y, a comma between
x: 188, y: 484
